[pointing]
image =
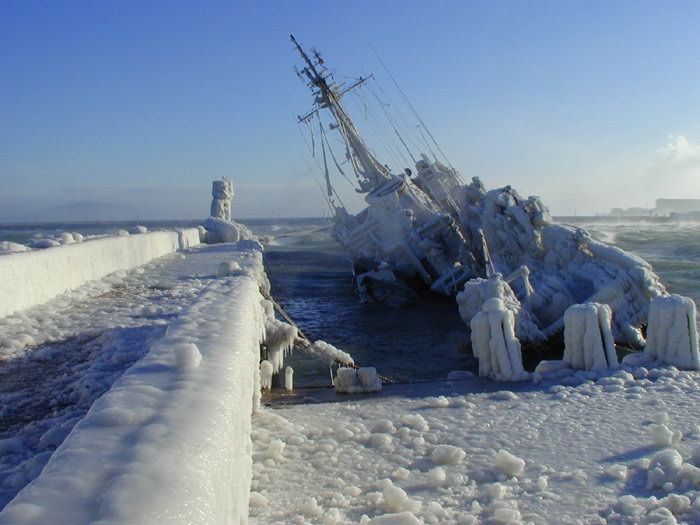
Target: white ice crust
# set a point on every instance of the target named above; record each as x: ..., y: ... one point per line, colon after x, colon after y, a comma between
x: 167, y: 443
x: 33, y: 277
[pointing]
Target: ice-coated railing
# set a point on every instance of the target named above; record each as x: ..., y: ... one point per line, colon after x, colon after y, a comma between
x: 170, y: 442
x: 31, y: 278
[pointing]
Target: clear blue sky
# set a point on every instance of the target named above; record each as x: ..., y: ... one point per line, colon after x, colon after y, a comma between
x: 587, y: 104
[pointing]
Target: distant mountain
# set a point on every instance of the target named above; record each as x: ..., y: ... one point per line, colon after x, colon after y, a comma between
x: 88, y: 211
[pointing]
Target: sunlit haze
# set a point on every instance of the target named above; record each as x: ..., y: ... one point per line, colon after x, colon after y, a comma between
x: 590, y: 105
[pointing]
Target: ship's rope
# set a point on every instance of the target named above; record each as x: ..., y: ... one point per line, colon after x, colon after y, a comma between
x: 391, y: 121
x: 408, y: 103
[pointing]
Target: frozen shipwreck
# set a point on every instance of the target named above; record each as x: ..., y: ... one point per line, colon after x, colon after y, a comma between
x: 426, y: 230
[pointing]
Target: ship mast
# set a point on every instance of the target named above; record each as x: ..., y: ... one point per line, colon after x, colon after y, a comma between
x: 369, y: 171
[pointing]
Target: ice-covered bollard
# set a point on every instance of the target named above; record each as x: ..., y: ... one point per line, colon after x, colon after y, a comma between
x: 494, y: 343
x: 672, y: 333
x: 266, y: 375
x: 289, y: 378
x: 588, y: 339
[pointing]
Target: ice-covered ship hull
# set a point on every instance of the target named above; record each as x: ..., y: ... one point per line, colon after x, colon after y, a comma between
x: 431, y: 231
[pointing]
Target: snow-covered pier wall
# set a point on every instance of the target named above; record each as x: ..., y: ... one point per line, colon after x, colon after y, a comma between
x: 170, y: 442
x: 31, y: 278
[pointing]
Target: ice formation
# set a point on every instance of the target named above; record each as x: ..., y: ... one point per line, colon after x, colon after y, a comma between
x: 355, y: 381
x: 672, y: 335
x: 289, y: 378
x: 494, y: 343
x: 33, y: 277
x: 279, y: 341
x: 220, y: 227
x: 187, y: 355
x: 117, y: 466
x: 329, y: 354
x: 588, y: 339
x: 266, y: 371
x: 477, y: 291
x: 508, y: 464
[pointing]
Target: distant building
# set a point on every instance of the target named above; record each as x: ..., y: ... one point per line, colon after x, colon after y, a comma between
x: 669, y: 206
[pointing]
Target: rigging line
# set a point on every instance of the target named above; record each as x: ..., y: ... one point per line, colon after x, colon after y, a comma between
x: 357, y: 101
x: 313, y: 144
x: 408, y: 102
x: 320, y: 186
x: 337, y: 165
x: 329, y: 188
x: 408, y: 126
x: 324, y: 137
x: 391, y: 141
x: 379, y: 129
x: 391, y: 121
x: 317, y: 163
x: 426, y: 143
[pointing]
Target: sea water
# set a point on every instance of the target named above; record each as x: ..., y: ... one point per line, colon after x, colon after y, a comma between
x: 312, y: 279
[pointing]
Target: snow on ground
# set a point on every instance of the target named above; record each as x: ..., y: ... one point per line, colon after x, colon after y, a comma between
x: 581, y: 448
x: 56, y: 359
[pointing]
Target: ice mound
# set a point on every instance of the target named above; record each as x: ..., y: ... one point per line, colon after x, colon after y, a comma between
x: 508, y: 464
x: 187, y: 355
x: 226, y: 268
x: 400, y: 518
x: 397, y: 500
x: 588, y: 337
x: 355, y: 381
x: 447, y: 455
x: 672, y: 335
x: 665, y: 468
x: 494, y: 343
x: 12, y: 247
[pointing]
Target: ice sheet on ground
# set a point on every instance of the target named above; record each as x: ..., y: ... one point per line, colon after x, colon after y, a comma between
x: 579, y: 452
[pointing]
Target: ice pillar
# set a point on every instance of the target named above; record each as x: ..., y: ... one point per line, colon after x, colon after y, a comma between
x: 588, y: 339
x: 494, y: 343
x: 222, y: 193
x: 672, y: 332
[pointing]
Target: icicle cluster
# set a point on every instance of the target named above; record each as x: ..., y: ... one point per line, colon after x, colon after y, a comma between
x: 494, y: 343
x: 588, y: 337
x: 672, y: 335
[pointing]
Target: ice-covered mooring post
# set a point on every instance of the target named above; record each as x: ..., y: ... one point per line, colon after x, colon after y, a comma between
x: 672, y: 333
x: 494, y: 343
x: 588, y: 339
x: 222, y: 194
